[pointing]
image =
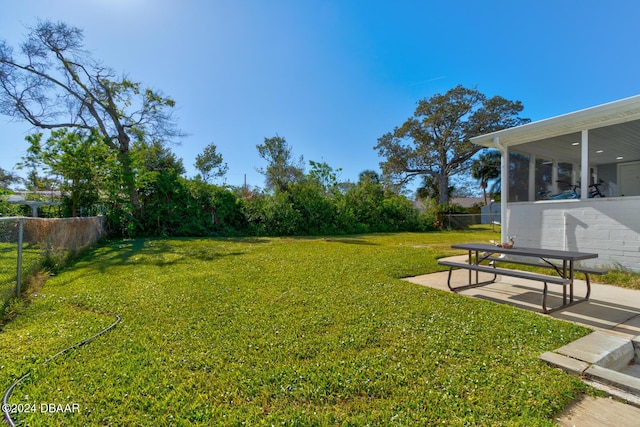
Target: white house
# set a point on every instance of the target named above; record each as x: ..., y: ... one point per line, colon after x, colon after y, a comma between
x: 598, y: 144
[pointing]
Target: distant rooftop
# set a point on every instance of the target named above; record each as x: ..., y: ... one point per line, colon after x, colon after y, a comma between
x: 467, y: 202
x: 22, y: 196
x: 21, y: 199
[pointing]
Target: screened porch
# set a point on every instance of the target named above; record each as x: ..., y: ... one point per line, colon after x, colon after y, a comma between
x: 572, y: 182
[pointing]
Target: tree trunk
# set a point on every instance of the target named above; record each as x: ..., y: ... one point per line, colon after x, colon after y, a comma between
x: 129, y: 180
x: 443, y: 179
x: 484, y: 185
x: 128, y: 172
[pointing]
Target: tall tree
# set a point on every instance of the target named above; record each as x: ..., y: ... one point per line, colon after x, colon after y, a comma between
x: 78, y: 160
x: 369, y: 175
x: 282, y: 170
x: 155, y: 156
x: 324, y: 175
x: 7, y: 179
x: 486, y: 168
x: 429, y: 189
x: 163, y: 192
x: 210, y: 164
x: 436, y: 140
x: 38, y: 176
x: 55, y: 83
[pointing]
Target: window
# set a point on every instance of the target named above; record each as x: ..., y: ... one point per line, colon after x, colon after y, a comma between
x: 518, y: 177
x: 543, y: 177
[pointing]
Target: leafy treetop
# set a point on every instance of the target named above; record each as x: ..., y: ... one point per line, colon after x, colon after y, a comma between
x: 436, y: 140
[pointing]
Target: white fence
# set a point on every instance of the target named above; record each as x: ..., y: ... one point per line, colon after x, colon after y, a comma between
x: 456, y: 221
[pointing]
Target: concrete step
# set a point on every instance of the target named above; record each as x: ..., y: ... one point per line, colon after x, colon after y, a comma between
x: 601, y: 349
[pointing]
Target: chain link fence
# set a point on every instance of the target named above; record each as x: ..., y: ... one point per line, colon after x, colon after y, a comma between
x: 462, y: 221
x: 29, y: 244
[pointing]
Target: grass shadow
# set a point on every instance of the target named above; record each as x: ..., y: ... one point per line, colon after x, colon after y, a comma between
x: 145, y: 251
x: 350, y: 241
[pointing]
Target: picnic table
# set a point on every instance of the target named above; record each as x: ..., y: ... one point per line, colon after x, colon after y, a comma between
x: 561, y: 261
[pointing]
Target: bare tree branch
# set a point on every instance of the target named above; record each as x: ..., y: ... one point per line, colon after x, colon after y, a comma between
x: 54, y: 83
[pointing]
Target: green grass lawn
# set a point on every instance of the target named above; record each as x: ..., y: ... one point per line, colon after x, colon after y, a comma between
x: 31, y: 259
x: 298, y: 331
x: 8, y: 254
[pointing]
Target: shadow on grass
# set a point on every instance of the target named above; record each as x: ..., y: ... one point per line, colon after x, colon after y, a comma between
x: 245, y: 240
x: 351, y: 241
x: 146, y: 251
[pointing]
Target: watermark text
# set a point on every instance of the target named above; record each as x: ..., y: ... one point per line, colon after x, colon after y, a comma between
x: 41, y: 408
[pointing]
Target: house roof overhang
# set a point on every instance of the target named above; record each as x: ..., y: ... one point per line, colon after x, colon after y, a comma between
x: 612, y: 113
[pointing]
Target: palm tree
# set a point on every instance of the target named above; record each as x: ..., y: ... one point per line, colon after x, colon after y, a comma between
x: 486, y: 168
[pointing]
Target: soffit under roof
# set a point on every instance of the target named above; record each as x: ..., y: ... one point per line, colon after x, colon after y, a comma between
x: 605, y: 115
x: 609, y: 144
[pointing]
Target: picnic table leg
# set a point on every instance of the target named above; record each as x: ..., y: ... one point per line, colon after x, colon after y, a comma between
x: 571, y: 272
x: 564, y: 288
x: 477, y: 272
x: 588, y: 282
x: 449, y: 280
x: 471, y: 284
x: 572, y: 301
x: 470, y: 261
x: 567, y: 271
x: 545, y: 310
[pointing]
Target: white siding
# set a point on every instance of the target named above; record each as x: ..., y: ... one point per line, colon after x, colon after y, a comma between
x: 609, y: 227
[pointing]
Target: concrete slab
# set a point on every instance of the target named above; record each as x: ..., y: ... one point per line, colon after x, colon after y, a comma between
x: 610, y: 308
x: 591, y: 412
x: 630, y: 327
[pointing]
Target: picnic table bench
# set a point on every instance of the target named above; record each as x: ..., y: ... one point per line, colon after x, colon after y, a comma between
x: 565, y: 267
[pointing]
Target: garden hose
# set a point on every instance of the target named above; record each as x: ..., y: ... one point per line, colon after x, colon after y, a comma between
x: 7, y: 394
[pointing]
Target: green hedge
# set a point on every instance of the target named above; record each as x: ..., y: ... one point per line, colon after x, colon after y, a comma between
x: 174, y: 206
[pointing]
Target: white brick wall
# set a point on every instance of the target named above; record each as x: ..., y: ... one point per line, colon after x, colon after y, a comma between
x: 609, y: 227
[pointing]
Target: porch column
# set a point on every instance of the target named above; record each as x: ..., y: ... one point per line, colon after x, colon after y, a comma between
x: 504, y: 187
x: 532, y: 178
x: 554, y: 176
x: 585, y: 176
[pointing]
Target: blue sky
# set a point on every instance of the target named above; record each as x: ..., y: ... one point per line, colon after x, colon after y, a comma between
x: 332, y: 76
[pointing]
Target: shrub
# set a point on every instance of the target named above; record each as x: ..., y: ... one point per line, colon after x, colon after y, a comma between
x: 398, y: 214
x: 317, y: 212
x: 271, y: 215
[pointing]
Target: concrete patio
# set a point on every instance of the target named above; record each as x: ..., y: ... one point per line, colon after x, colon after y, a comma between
x: 614, y: 315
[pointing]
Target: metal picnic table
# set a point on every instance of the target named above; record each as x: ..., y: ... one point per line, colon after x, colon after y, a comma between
x: 565, y: 267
